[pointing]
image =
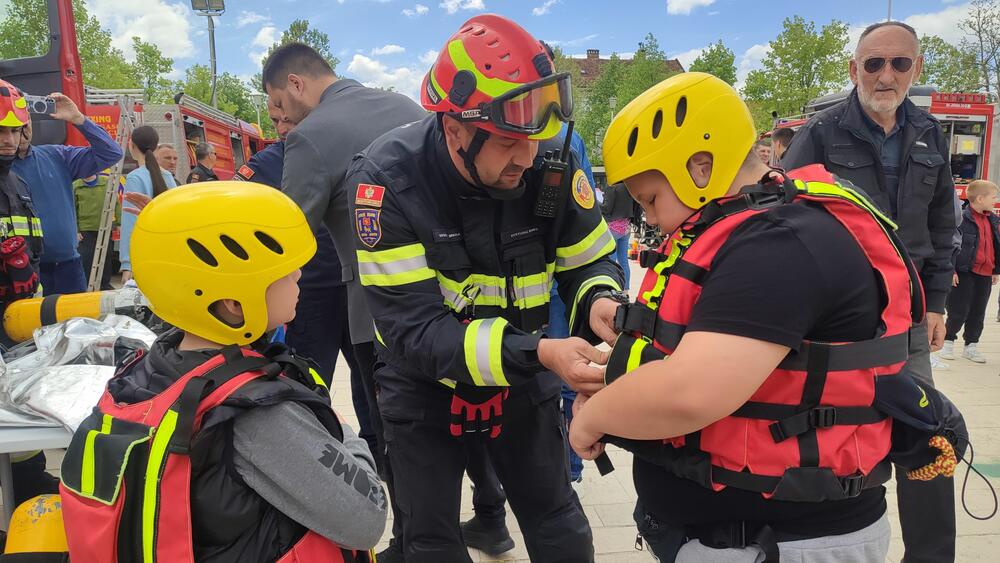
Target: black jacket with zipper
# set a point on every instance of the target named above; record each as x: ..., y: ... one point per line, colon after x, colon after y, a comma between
x: 839, y: 139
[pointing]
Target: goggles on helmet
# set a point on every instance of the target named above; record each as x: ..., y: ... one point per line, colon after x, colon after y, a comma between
x: 527, y: 109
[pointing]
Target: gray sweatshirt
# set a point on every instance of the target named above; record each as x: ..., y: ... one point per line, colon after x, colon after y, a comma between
x: 331, y: 488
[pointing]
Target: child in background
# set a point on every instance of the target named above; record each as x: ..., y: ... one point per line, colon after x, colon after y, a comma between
x: 976, y: 271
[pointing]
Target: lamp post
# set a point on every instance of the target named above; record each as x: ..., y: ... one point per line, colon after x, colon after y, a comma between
x: 209, y: 8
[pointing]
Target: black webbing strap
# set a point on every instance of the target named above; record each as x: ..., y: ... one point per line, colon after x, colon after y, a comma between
x: 197, y: 388
x: 792, y: 421
x: 851, y: 486
x: 738, y: 535
x: 691, y: 272
x: 812, y: 393
x: 852, y: 355
x: 47, y: 310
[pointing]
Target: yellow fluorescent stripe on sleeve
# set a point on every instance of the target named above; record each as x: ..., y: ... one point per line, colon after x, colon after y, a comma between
x: 471, y: 359
x: 496, y: 352
x: 595, y: 245
x: 584, y: 288
x: 396, y: 266
x: 635, y: 354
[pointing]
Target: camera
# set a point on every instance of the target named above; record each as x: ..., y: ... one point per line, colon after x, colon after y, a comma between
x: 40, y: 104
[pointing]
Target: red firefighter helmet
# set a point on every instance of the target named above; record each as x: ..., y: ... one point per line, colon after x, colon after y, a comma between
x: 494, y: 74
x: 13, y: 107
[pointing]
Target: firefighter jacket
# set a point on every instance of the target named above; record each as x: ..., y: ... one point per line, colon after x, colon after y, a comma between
x: 459, y: 283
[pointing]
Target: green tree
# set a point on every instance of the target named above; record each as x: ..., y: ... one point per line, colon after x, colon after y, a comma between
x: 24, y: 32
x: 596, y: 113
x: 150, y: 65
x: 299, y: 31
x: 950, y: 68
x: 647, y: 68
x: 717, y: 60
x: 566, y: 64
x: 982, y: 26
x: 234, y: 95
x: 802, y: 64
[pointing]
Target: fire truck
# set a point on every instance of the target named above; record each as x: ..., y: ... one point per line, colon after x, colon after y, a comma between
x: 184, y: 123
x: 969, y: 123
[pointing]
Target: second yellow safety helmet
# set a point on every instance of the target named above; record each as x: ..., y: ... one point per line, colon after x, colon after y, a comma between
x: 666, y: 125
x: 198, y: 244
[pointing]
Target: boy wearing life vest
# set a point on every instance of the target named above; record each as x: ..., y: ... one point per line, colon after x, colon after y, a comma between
x: 755, y: 343
x: 204, y: 449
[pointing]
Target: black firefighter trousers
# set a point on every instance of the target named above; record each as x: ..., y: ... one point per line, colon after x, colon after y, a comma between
x: 529, y: 458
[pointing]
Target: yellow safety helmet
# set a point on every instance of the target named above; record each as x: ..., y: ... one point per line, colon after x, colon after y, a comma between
x: 666, y: 125
x: 196, y: 245
x: 37, y: 527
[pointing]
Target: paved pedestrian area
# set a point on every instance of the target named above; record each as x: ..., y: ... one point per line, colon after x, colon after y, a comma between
x: 608, y: 501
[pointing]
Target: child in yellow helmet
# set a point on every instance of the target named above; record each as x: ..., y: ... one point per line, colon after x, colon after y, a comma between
x: 758, y: 268
x: 274, y: 474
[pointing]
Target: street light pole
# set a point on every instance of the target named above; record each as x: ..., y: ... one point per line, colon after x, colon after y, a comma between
x: 211, y: 56
x: 889, y: 17
x: 209, y: 8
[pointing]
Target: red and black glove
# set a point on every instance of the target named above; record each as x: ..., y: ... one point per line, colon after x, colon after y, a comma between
x: 476, y: 411
x: 17, y: 266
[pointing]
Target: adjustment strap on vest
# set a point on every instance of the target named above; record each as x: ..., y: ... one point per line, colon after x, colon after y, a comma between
x: 739, y: 535
x: 792, y: 422
x: 864, y: 354
x: 198, y: 387
x: 851, y: 486
x: 637, y: 318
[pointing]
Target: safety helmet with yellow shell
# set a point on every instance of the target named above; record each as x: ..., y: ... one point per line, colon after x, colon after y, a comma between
x: 13, y: 106
x: 665, y: 126
x: 196, y: 245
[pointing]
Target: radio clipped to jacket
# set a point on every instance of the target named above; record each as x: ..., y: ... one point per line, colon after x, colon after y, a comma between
x: 554, y: 166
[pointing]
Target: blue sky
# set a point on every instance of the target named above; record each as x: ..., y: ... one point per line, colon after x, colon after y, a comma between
x: 391, y: 42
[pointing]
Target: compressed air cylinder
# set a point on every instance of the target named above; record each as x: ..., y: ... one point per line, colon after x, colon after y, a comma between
x: 22, y: 317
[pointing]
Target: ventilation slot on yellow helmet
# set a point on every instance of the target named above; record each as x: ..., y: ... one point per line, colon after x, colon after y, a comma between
x: 657, y: 123
x: 682, y: 110
x: 202, y: 253
x: 632, y: 140
x: 269, y: 242
x: 234, y: 247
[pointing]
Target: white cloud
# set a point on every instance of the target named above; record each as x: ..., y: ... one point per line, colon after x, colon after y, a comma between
x: 684, y: 7
x: 452, y: 6
x: 688, y: 57
x: 429, y: 57
x: 579, y: 41
x: 944, y: 24
x: 166, y: 25
x: 545, y: 8
x: 416, y: 11
x: 266, y: 36
x: 374, y: 73
x: 246, y: 18
x: 750, y: 61
x: 388, y: 50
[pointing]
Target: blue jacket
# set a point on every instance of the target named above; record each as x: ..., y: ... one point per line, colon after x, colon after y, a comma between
x: 49, y: 172
x: 138, y: 181
x: 970, y: 241
x: 324, y: 270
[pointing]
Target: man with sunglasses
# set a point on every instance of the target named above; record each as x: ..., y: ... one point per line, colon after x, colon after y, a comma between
x: 884, y: 144
x: 460, y: 231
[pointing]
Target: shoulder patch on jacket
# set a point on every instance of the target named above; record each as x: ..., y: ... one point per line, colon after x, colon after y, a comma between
x: 582, y: 192
x: 244, y: 173
x: 368, y: 226
x: 370, y: 195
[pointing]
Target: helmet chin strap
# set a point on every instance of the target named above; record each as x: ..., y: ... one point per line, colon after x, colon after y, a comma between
x: 469, y: 158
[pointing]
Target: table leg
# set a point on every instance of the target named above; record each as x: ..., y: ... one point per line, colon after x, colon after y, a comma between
x: 7, y: 482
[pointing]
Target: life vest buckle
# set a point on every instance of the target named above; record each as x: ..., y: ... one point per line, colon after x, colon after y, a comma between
x: 823, y: 417
x: 649, y: 258
x: 853, y: 485
x: 621, y: 313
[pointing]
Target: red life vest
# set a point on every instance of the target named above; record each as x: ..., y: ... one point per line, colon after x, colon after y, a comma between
x: 127, y: 475
x: 810, y: 432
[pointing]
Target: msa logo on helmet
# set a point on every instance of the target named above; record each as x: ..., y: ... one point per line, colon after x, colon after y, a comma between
x: 472, y: 113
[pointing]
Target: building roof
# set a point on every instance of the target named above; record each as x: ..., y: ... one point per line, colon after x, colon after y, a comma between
x: 590, y: 67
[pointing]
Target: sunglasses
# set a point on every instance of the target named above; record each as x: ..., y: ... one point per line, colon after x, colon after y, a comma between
x: 899, y: 64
